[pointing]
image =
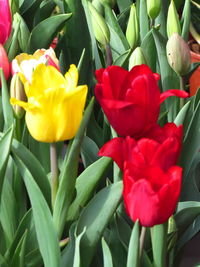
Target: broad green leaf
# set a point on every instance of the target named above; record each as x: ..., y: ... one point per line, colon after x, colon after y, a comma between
x: 111, y: 20
x: 46, y: 234
x: 191, y: 142
x: 89, y: 151
x: 124, y: 229
x: 34, y: 259
x: 86, y: 184
x: 5, y: 146
x: 68, y: 175
x: 159, y: 242
x: 182, y: 113
x: 95, y: 216
x: 186, y: 213
x: 44, y: 11
x: 44, y: 32
x: 133, y: 249
x: 123, y: 4
x: 7, y: 108
x: 107, y: 257
x: 8, y: 212
x: 122, y: 60
x: 35, y: 168
x: 149, y: 48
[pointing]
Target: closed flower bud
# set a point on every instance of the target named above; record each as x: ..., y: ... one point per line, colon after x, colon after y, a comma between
x: 101, y: 30
x: 132, y: 31
x: 17, y: 91
x: 4, y: 62
x: 137, y: 58
x: 98, y: 5
x: 178, y: 54
x: 173, y: 23
x: 153, y: 8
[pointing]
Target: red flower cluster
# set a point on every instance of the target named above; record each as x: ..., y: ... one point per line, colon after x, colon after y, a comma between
x: 131, y: 102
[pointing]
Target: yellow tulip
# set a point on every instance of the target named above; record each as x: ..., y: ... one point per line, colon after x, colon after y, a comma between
x: 55, y: 103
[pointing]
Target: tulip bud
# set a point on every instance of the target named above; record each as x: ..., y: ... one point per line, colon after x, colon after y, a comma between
x: 173, y: 23
x: 4, y: 62
x: 153, y: 8
x: 137, y: 58
x: 17, y: 91
x: 132, y: 31
x: 101, y: 30
x: 98, y: 5
x: 178, y: 54
x: 111, y: 3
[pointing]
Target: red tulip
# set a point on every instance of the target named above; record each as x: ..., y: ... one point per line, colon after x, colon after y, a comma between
x: 131, y: 99
x: 152, y: 181
x: 4, y: 62
x: 5, y: 21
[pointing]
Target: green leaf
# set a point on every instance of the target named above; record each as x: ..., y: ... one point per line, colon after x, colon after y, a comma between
x: 149, y: 48
x: 182, y: 114
x: 19, y: 254
x: 46, y: 234
x: 34, y: 259
x: 133, y: 249
x: 7, y: 108
x: 44, y: 32
x: 191, y: 142
x: 5, y: 145
x: 159, y: 242
x: 86, y: 184
x: 187, y: 212
x: 107, y: 257
x: 44, y: 11
x: 68, y: 175
x: 143, y: 19
x: 77, y: 261
x: 122, y: 60
x: 34, y: 167
x: 95, y: 216
x: 186, y: 20
x: 123, y: 4
x: 89, y: 151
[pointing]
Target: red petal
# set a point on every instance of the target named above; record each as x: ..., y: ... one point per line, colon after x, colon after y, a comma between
x: 173, y: 92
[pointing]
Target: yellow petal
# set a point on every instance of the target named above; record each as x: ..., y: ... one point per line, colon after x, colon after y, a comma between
x: 25, y: 105
x: 44, y: 77
x: 59, y: 115
x: 71, y: 77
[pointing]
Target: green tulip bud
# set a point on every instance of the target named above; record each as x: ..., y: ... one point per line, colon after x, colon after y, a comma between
x: 132, y: 30
x: 173, y: 23
x: 111, y: 3
x: 178, y: 54
x: 153, y: 8
x: 17, y: 91
x: 101, y: 30
x: 98, y: 5
x: 137, y: 58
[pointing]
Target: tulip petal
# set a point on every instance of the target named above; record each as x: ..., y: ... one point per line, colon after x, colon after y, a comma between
x: 71, y: 77
x: 173, y: 92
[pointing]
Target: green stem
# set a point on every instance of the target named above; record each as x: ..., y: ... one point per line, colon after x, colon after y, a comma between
x: 182, y: 87
x: 142, y: 238
x: 54, y: 172
x: 109, y: 58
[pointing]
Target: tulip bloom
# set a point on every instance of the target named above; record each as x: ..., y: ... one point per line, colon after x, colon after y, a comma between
x: 131, y: 99
x: 4, y: 62
x: 5, y: 21
x: 25, y: 63
x: 55, y: 103
x: 152, y: 181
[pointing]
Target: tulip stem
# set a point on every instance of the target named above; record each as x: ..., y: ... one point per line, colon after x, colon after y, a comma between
x: 142, y: 238
x: 54, y: 172
x: 109, y: 59
x: 182, y: 87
